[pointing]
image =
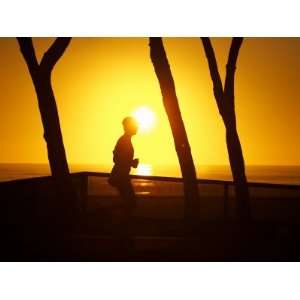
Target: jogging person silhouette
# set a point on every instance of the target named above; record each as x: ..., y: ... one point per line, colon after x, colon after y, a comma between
x: 123, y: 154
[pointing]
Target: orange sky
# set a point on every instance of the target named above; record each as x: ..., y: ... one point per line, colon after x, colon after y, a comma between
x: 98, y: 81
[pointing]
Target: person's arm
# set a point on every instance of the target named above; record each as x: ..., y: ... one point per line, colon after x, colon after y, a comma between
x: 135, y: 163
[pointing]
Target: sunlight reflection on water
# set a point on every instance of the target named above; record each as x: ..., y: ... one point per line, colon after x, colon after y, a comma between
x: 144, y: 169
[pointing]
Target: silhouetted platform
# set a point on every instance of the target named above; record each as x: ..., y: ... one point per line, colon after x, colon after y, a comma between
x: 33, y: 227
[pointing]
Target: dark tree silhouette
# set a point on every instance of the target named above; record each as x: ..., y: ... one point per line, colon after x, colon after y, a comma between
x: 225, y: 102
x: 170, y: 101
x: 41, y: 77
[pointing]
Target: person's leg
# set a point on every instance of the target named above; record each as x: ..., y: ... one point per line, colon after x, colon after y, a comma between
x: 128, y: 204
x: 129, y: 196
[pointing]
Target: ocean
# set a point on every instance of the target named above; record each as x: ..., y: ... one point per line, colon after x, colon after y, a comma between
x: 270, y: 174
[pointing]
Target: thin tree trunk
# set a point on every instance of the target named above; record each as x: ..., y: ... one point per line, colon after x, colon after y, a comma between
x: 41, y: 77
x: 237, y: 165
x: 225, y: 101
x: 52, y: 131
x: 170, y: 101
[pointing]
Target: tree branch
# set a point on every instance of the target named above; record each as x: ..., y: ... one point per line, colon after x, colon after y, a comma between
x: 53, y: 54
x: 213, y: 69
x: 231, y: 66
x: 27, y: 50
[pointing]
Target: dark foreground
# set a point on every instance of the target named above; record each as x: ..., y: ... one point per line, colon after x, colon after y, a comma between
x: 35, y: 226
x: 210, y: 242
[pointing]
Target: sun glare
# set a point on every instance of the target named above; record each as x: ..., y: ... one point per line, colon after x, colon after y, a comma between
x: 145, y: 118
x: 144, y: 169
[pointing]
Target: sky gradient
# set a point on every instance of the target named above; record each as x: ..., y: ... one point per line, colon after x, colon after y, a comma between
x: 98, y: 81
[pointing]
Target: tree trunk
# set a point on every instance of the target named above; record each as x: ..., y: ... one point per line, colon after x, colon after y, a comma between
x: 52, y: 131
x: 225, y: 101
x: 235, y: 152
x: 55, y: 145
x: 237, y: 165
x: 41, y: 77
x: 170, y: 101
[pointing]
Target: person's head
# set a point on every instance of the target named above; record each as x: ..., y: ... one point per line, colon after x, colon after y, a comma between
x: 130, y: 125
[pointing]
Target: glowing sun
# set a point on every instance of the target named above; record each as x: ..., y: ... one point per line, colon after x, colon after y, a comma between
x: 145, y: 118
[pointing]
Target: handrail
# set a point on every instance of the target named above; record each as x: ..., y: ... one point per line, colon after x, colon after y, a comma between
x: 177, y: 179
x: 159, y: 178
x: 225, y: 183
x: 83, y: 184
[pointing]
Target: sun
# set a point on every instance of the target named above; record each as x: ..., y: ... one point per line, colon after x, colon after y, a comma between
x: 145, y: 118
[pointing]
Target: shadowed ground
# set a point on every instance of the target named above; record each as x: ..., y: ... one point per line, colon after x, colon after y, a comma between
x: 34, y: 229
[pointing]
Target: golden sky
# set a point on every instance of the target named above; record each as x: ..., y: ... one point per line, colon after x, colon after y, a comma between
x: 98, y: 81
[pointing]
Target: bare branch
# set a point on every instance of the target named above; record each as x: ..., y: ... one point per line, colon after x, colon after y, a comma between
x: 213, y: 68
x: 27, y: 50
x: 231, y: 66
x: 53, y: 54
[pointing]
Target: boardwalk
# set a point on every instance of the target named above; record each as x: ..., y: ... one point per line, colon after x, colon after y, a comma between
x: 31, y: 228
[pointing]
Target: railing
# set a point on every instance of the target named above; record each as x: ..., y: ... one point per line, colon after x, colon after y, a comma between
x: 81, y: 183
x: 83, y: 178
